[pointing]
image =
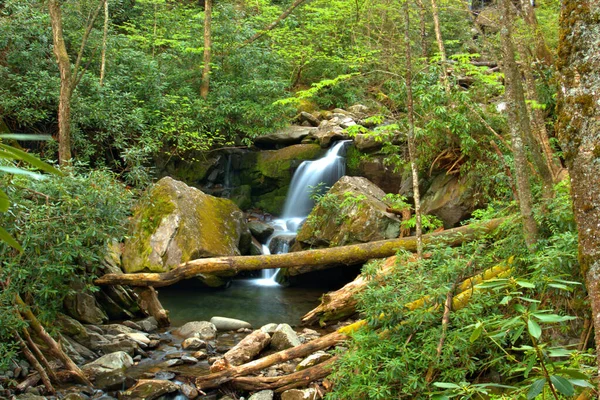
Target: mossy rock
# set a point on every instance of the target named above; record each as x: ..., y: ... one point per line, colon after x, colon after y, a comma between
x: 272, y: 202
x: 176, y: 223
x: 449, y: 198
x: 278, y: 164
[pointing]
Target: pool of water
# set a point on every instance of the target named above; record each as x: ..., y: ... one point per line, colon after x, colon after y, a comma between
x: 245, y: 299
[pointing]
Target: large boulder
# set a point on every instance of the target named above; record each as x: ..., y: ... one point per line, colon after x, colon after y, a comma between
x: 201, y: 329
x: 353, y: 212
x: 284, y: 337
x: 449, y: 198
x: 285, y: 136
x: 108, y: 364
x: 330, y: 131
x: 149, y: 389
x: 176, y: 223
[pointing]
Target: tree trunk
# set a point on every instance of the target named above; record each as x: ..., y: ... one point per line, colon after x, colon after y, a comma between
x: 207, y: 48
x: 423, y: 29
x: 64, y: 67
x: 412, y: 148
x: 542, y: 51
x: 303, y: 261
x: 150, y: 305
x: 513, y: 78
x: 440, y: 43
x: 104, y: 36
x: 579, y: 132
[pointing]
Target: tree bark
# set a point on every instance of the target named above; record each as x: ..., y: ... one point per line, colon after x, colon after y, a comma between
x: 515, y: 122
x: 579, y: 132
x: 104, y: 36
x: 217, y: 379
x: 542, y: 51
x: 301, y: 260
x: 440, y: 43
x: 150, y: 305
x: 207, y: 48
x: 64, y: 67
x: 412, y: 147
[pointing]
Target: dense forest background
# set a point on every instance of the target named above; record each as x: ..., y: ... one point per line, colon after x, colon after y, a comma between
x: 491, y: 90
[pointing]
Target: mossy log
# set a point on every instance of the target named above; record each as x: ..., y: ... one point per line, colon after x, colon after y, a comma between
x: 301, y: 261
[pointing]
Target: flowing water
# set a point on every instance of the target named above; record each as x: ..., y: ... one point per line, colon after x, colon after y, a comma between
x: 263, y: 300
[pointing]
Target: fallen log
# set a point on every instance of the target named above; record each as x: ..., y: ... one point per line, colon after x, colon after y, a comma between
x: 285, y: 382
x: 301, y: 261
x: 216, y: 379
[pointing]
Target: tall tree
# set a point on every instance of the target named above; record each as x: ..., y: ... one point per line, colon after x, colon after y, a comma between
x: 207, y: 48
x: 69, y: 75
x: 104, y: 37
x: 579, y: 133
x: 440, y: 43
x: 516, y: 124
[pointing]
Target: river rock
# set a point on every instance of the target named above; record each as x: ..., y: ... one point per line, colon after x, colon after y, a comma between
x: 118, y: 344
x: 297, y: 394
x: 366, y: 143
x: 358, y: 215
x: 177, y: 223
x: 309, y: 118
x: 260, y: 230
x: 328, y: 131
x: 110, y: 365
x: 284, y: 338
x: 313, y: 359
x: 243, y: 352
x: 201, y: 329
x: 285, y: 136
x: 83, y: 306
x: 193, y: 343
x: 149, y: 324
x: 448, y: 198
x: 117, y: 329
x: 262, y: 395
x: 139, y: 337
x: 359, y: 110
x: 281, y: 243
x: 188, y: 391
x: 229, y: 324
x: 269, y: 328
x: 148, y: 389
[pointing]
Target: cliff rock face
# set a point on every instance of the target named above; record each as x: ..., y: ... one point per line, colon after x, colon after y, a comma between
x: 176, y: 223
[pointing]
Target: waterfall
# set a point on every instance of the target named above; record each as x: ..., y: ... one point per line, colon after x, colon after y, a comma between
x: 298, y: 202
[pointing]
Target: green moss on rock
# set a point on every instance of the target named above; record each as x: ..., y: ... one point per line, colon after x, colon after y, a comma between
x: 278, y: 163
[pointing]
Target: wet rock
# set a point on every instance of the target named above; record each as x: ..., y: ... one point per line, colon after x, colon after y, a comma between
x: 201, y: 329
x: 200, y: 355
x: 172, y: 363
x: 269, y: 328
x: 132, y: 325
x: 193, y: 343
x: 148, y: 324
x: 189, y: 359
x: 148, y: 389
x: 78, y: 352
x: 117, y: 329
x: 82, y: 306
x: 359, y: 110
x: 114, y: 362
x: 164, y: 375
x: 297, y: 394
x: 138, y: 337
x: 313, y: 359
x: 29, y: 396
x: 118, y: 344
x: 284, y: 338
x: 76, y: 396
x: 188, y: 391
x: 153, y: 344
x: 366, y: 143
x: 308, y: 117
x: 229, y: 324
x: 177, y: 223
x: 260, y: 230
x: 174, y: 355
x: 262, y: 395
x: 73, y: 328
x: 284, y: 137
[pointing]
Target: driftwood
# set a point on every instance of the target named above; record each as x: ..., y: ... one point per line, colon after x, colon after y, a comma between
x: 282, y: 383
x: 150, y: 305
x: 215, y: 380
x: 301, y: 261
x: 243, y: 352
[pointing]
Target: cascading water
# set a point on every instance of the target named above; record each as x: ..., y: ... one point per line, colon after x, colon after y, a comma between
x: 298, y: 202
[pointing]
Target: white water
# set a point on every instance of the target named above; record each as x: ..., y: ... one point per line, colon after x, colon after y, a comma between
x: 298, y: 202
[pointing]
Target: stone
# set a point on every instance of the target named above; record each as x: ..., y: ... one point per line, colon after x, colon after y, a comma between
x: 260, y: 230
x: 358, y: 216
x: 117, y: 329
x: 82, y: 306
x: 132, y: 325
x: 107, y: 369
x: 189, y: 359
x: 359, y: 110
x: 139, y: 337
x: 176, y: 223
x: 297, y: 394
x: 281, y: 243
x: 308, y: 117
x: 164, y: 375
x: 148, y: 389
x: 29, y: 396
x: 284, y: 337
x: 375, y: 169
x: 73, y: 328
x: 76, y: 396
x: 448, y: 198
x: 367, y: 143
x: 256, y: 248
x: 262, y: 395
x: 188, y: 391
x: 229, y: 324
x: 313, y: 359
x: 118, y: 344
x: 243, y: 352
x: 200, y: 355
x: 284, y: 137
x: 269, y: 328
x: 193, y: 343
x: 327, y: 132
x: 201, y: 329
x: 148, y: 324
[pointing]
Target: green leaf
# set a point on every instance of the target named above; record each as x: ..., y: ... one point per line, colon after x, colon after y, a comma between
x: 581, y: 383
x: 476, y: 333
x: 9, y: 240
x: 559, y: 352
x: 534, y: 329
x: 4, y: 201
x: 24, y: 136
x: 574, y: 373
x: 21, y: 171
x: 34, y: 161
x: 525, y: 284
x: 536, y: 388
x: 562, y: 385
x: 446, y: 385
x: 553, y: 317
x: 495, y: 283
x: 517, y: 333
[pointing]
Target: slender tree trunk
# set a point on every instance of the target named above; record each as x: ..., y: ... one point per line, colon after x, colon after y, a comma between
x: 412, y: 148
x: 542, y: 52
x: 579, y: 132
x: 207, y: 48
x: 513, y: 78
x: 104, y: 36
x: 440, y: 43
x: 64, y: 67
x: 423, y: 29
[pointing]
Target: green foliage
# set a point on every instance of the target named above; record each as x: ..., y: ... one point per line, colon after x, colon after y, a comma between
x: 64, y: 225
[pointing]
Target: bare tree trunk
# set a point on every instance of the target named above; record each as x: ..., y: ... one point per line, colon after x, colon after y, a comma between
x: 440, y: 43
x: 579, y: 132
x: 104, y: 35
x: 422, y: 29
x: 513, y: 78
x: 64, y: 67
x: 207, y: 48
x: 412, y: 148
x: 542, y: 52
